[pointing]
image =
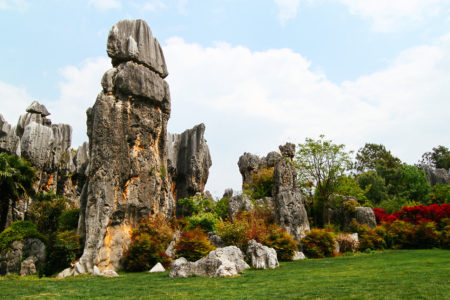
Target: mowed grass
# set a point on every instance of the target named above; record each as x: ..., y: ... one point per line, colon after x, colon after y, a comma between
x: 401, y: 274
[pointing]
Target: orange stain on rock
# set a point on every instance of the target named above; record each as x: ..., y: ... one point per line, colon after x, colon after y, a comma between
x: 125, y: 189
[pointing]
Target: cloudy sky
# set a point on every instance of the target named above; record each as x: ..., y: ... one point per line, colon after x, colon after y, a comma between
x: 258, y: 73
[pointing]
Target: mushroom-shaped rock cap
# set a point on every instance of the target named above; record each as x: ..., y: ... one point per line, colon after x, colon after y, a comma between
x: 37, y: 108
x: 133, y: 40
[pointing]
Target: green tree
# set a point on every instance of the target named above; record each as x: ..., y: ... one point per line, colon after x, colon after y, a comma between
x: 374, y: 186
x: 322, y: 162
x: 16, y: 181
x: 372, y: 156
x: 439, y: 158
x: 413, y: 184
x: 440, y: 194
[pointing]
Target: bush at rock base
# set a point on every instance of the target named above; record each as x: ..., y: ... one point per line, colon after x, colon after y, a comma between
x: 283, y: 243
x: 369, y: 239
x: 318, y: 243
x: 148, y: 243
x: 46, y: 210
x: 246, y: 226
x: 63, y: 248
x: 222, y: 208
x: 193, y: 244
x: 18, y: 231
x: 347, y: 243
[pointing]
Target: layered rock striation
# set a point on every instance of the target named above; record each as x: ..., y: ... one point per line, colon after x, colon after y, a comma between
x: 189, y: 161
x: 127, y: 129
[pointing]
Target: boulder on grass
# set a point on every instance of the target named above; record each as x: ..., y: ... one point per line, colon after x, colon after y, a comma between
x: 222, y: 262
x: 262, y: 257
x: 298, y: 256
x: 158, y: 268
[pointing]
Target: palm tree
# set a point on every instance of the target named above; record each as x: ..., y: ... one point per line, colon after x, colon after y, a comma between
x: 16, y: 181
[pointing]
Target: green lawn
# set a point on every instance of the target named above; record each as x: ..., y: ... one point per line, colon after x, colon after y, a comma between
x: 401, y: 274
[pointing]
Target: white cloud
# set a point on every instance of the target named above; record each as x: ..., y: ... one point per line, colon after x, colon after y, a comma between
x: 13, y: 101
x: 78, y: 91
x: 384, y: 15
x: 104, y: 5
x: 151, y: 6
x: 388, y: 15
x: 19, y: 5
x: 254, y: 101
x: 287, y: 9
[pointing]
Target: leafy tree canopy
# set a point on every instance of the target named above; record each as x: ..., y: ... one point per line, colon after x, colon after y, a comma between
x: 439, y: 158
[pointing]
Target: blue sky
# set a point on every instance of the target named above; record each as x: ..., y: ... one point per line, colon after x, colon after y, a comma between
x: 258, y: 73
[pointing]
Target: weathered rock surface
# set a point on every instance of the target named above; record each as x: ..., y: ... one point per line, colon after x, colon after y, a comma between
x: 189, y: 161
x: 24, y: 258
x: 158, y: 268
x: 127, y: 129
x: 249, y: 164
x: 132, y: 40
x: 216, y: 240
x: 286, y: 201
x: 435, y: 176
x: 290, y: 210
x: 222, y: 262
x: 262, y: 257
x: 365, y: 216
x: 239, y: 203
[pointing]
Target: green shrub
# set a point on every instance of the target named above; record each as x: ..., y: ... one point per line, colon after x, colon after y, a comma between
x: 46, y: 210
x: 63, y: 249
x: 445, y: 235
x: 318, y: 243
x: 222, y: 208
x: 399, y: 234
x: 148, y: 244
x: 206, y: 221
x: 233, y: 233
x: 282, y: 242
x: 425, y: 236
x: 193, y: 245
x: 18, y: 231
x: 187, y: 207
x: 440, y: 194
x: 369, y: 239
x: 68, y: 220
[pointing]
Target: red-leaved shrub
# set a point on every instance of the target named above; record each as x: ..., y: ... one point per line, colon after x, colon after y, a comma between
x: 193, y: 244
x: 319, y: 243
x: 148, y: 244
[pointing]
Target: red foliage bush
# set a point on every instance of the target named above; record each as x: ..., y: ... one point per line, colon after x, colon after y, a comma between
x: 148, y: 244
x: 416, y: 214
x: 193, y: 245
x: 319, y: 243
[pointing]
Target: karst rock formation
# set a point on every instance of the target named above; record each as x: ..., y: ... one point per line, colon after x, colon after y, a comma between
x: 189, y: 161
x: 286, y: 201
x: 60, y: 169
x: 127, y: 129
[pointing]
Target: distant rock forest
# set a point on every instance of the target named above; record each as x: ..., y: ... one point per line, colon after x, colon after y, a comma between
x: 133, y: 197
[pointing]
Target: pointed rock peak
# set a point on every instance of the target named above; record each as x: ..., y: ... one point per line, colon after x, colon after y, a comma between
x: 132, y: 40
x: 37, y: 108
